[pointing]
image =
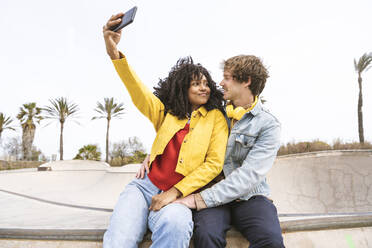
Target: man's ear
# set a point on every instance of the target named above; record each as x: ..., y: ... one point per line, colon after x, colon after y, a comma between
x: 248, y: 82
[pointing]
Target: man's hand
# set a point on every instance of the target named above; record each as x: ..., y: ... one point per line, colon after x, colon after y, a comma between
x: 144, y: 167
x: 188, y: 201
x: 163, y: 199
x: 112, y: 38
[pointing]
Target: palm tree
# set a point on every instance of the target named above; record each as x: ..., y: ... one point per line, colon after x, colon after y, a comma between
x: 27, y: 114
x: 60, y: 109
x: 5, y: 122
x: 89, y: 152
x: 110, y: 109
x: 362, y: 65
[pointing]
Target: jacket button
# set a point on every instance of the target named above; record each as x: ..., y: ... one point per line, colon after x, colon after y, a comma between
x: 181, y: 161
x: 184, y: 141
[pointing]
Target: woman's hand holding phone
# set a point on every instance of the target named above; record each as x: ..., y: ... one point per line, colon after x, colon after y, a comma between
x: 112, y: 38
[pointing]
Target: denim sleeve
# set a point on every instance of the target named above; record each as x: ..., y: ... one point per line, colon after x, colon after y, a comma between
x: 253, y: 171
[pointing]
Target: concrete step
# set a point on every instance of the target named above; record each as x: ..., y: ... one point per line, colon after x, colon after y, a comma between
x: 333, y: 231
x: 336, y: 238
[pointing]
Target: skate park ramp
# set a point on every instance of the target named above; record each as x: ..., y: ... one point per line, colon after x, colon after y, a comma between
x: 323, y: 182
x: 324, y: 199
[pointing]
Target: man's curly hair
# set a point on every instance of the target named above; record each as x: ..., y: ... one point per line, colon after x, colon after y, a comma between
x: 244, y: 66
x: 173, y: 90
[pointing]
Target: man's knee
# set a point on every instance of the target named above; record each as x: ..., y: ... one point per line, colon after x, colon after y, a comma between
x: 208, y: 233
x: 274, y: 241
x: 211, y: 226
x: 277, y: 243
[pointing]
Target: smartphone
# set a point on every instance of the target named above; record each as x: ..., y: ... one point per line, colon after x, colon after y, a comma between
x: 126, y: 19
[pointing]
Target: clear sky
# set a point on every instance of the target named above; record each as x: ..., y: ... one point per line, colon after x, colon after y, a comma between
x: 50, y: 49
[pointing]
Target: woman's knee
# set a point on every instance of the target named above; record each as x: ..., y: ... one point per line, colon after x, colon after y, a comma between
x: 175, y: 218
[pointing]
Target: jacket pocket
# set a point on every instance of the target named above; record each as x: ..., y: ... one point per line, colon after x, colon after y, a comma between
x: 242, y: 146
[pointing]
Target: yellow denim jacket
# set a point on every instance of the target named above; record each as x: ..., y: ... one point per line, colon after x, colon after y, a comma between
x: 202, y: 152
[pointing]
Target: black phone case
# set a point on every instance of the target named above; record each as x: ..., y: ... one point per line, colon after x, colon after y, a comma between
x: 126, y: 20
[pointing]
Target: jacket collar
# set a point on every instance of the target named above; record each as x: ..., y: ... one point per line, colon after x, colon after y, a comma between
x: 203, y: 111
x: 257, y: 109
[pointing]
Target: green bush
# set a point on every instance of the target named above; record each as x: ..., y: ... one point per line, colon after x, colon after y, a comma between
x: 317, y: 145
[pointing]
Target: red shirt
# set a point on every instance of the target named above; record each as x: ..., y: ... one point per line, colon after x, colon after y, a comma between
x: 163, y: 169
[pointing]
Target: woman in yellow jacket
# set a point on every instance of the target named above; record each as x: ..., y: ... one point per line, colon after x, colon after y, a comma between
x: 187, y: 153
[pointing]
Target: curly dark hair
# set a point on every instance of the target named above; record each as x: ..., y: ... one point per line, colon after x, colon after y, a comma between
x: 173, y: 90
x: 244, y: 66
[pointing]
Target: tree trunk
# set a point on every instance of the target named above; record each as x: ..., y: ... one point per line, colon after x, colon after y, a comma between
x: 107, y: 140
x: 27, y: 140
x: 360, y: 111
x: 61, y: 143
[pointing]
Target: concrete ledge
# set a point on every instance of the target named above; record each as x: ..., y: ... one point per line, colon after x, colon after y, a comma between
x: 25, y: 243
x: 339, y: 238
x: 313, y: 224
x: 69, y: 234
x: 52, y: 234
x: 326, y: 223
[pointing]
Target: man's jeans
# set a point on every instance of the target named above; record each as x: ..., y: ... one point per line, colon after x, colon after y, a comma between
x: 171, y: 226
x: 256, y: 219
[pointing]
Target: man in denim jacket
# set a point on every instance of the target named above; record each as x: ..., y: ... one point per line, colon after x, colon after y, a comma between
x: 241, y: 197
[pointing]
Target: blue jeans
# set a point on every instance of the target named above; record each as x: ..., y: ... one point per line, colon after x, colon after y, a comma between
x: 171, y: 226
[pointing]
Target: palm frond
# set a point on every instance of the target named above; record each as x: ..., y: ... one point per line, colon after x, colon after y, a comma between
x: 48, y: 123
x: 364, y: 63
x: 98, y: 117
x: 355, y: 65
x: 5, y: 122
x: 60, y: 109
x: 100, y: 109
x: 109, y: 109
x: 75, y: 121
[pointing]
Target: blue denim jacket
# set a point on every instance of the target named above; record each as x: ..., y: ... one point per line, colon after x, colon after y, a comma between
x: 251, y: 150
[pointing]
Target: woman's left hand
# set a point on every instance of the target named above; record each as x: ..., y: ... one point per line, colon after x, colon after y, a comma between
x: 144, y: 168
x: 163, y: 199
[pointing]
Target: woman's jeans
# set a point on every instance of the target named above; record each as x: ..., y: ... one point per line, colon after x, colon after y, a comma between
x: 171, y: 226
